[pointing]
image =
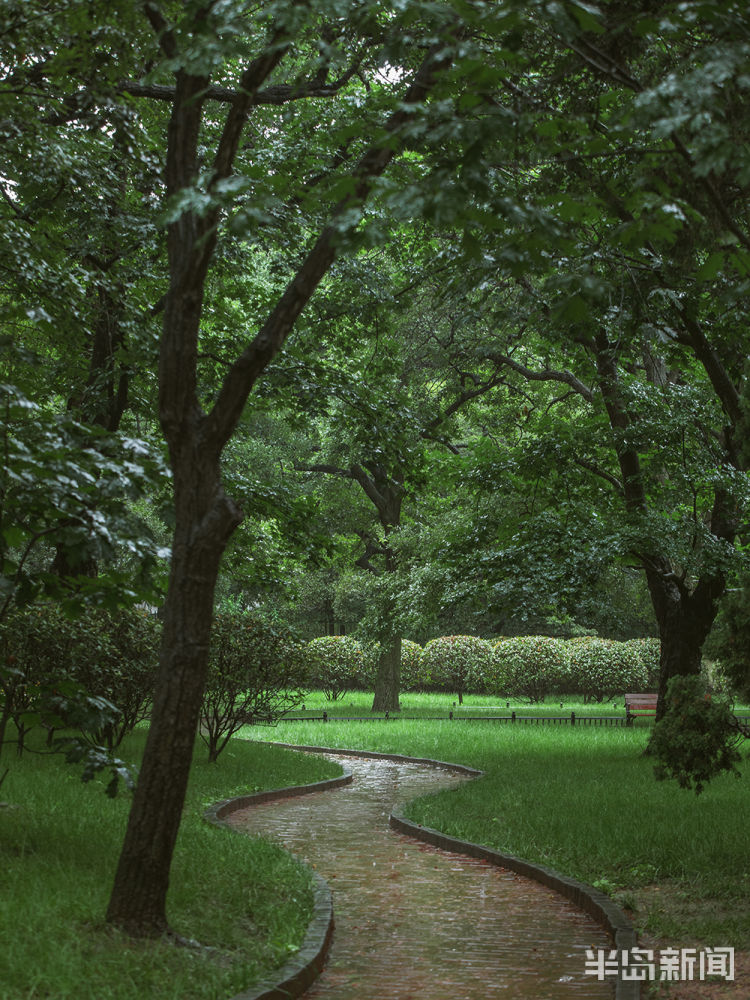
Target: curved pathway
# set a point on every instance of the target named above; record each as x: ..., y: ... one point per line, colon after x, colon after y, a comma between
x: 417, y: 923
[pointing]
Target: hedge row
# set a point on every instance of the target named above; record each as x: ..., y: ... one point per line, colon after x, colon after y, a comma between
x: 51, y: 665
x: 526, y: 666
x: 45, y: 656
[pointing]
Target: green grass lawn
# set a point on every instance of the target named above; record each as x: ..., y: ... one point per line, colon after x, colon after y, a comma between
x: 418, y: 704
x: 582, y: 800
x: 59, y: 842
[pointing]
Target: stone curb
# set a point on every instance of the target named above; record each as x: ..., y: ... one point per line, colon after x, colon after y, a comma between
x: 598, y: 905
x: 300, y: 972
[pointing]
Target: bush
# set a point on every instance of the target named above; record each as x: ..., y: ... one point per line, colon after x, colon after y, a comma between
x: 412, y: 655
x: 337, y: 662
x: 600, y: 668
x: 115, y: 656
x: 111, y: 656
x: 698, y: 736
x: 257, y: 671
x: 530, y: 666
x: 456, y: 663
x: 648, y: 650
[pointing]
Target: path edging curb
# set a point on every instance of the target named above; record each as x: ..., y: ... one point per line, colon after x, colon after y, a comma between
x: 293, y: 978
x: 593, y: 902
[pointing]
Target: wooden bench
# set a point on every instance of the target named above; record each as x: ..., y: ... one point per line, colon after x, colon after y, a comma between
x: 639, y: 704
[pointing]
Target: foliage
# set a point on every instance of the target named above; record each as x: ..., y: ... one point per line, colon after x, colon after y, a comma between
x: 336, y: 661
x: 412, y: 674
x: 109, y: 656
x: 257, y: 672
x: 600, y: 668
x: 698, y: 737
x: 71, y: 487
x: 68, y: 705
x: 730, y: 639
x: 457, y: 663
x: 63, y: 705
x: 648, y: 649
x: 530, y: 666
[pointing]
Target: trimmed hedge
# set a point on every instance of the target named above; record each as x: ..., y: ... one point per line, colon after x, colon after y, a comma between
x: 456, y: 663
x: 529, y: 666
x: 336, y: 662
x: 648, y: 650
x: 601, y: 668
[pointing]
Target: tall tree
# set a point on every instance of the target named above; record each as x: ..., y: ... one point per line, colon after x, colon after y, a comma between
x: 393, y: 393
x: 615, y: 200
x: 197, y: 192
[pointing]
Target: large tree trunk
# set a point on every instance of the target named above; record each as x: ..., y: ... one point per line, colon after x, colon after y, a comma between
x: 388, y: 677
x: 685, y: 620
x: 206, y: 517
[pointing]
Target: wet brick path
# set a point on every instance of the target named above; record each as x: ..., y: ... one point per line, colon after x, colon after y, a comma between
x: 417, y: 923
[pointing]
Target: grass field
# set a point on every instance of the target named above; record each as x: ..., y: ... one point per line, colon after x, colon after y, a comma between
x: 59, y: 842
x: 417, y: 704
x: 580, y: 799
x: 420, y: 705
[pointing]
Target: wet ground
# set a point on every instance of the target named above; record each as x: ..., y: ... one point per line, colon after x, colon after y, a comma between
x: 417, y: 923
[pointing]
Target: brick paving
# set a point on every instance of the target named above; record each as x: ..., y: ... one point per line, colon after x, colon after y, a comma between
x: 417, y: 923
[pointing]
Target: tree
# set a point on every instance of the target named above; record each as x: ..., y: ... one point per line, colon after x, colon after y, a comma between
x: 393, y: 396
x: 612, y: 227
x: 196, y: 196
x: 257, y: 672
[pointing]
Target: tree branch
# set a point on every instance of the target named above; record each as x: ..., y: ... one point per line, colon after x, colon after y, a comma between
x: 597, y: 471
x: 276, y: 95
x: 238, y: 383
x: 547, y: 375
x: 331, y: 470
x: 161, y: 28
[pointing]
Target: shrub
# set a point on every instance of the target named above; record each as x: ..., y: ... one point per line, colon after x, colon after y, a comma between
x: 529, y: 666
x: 648, y: 650
x: 364, y: 679
x: 256, y: 672
x: 112, y: 656
x: 412, y: 678
x: 336, y: 661
x: 456, y: 663
x: 698, y: 737
x: 115, y: 656
x: 600, y: 668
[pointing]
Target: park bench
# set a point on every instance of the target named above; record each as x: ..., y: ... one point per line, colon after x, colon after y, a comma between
x: 639, y: 704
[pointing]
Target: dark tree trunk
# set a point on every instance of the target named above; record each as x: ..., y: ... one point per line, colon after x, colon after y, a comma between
x: 685, y: 620
x: 684, y: 612
x: 205, y: 519
x: 388, y: 677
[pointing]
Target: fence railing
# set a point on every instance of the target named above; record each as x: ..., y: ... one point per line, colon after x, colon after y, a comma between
x: 571, y: 719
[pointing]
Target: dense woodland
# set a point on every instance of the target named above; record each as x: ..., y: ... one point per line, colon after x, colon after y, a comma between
x: 386, y: 317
